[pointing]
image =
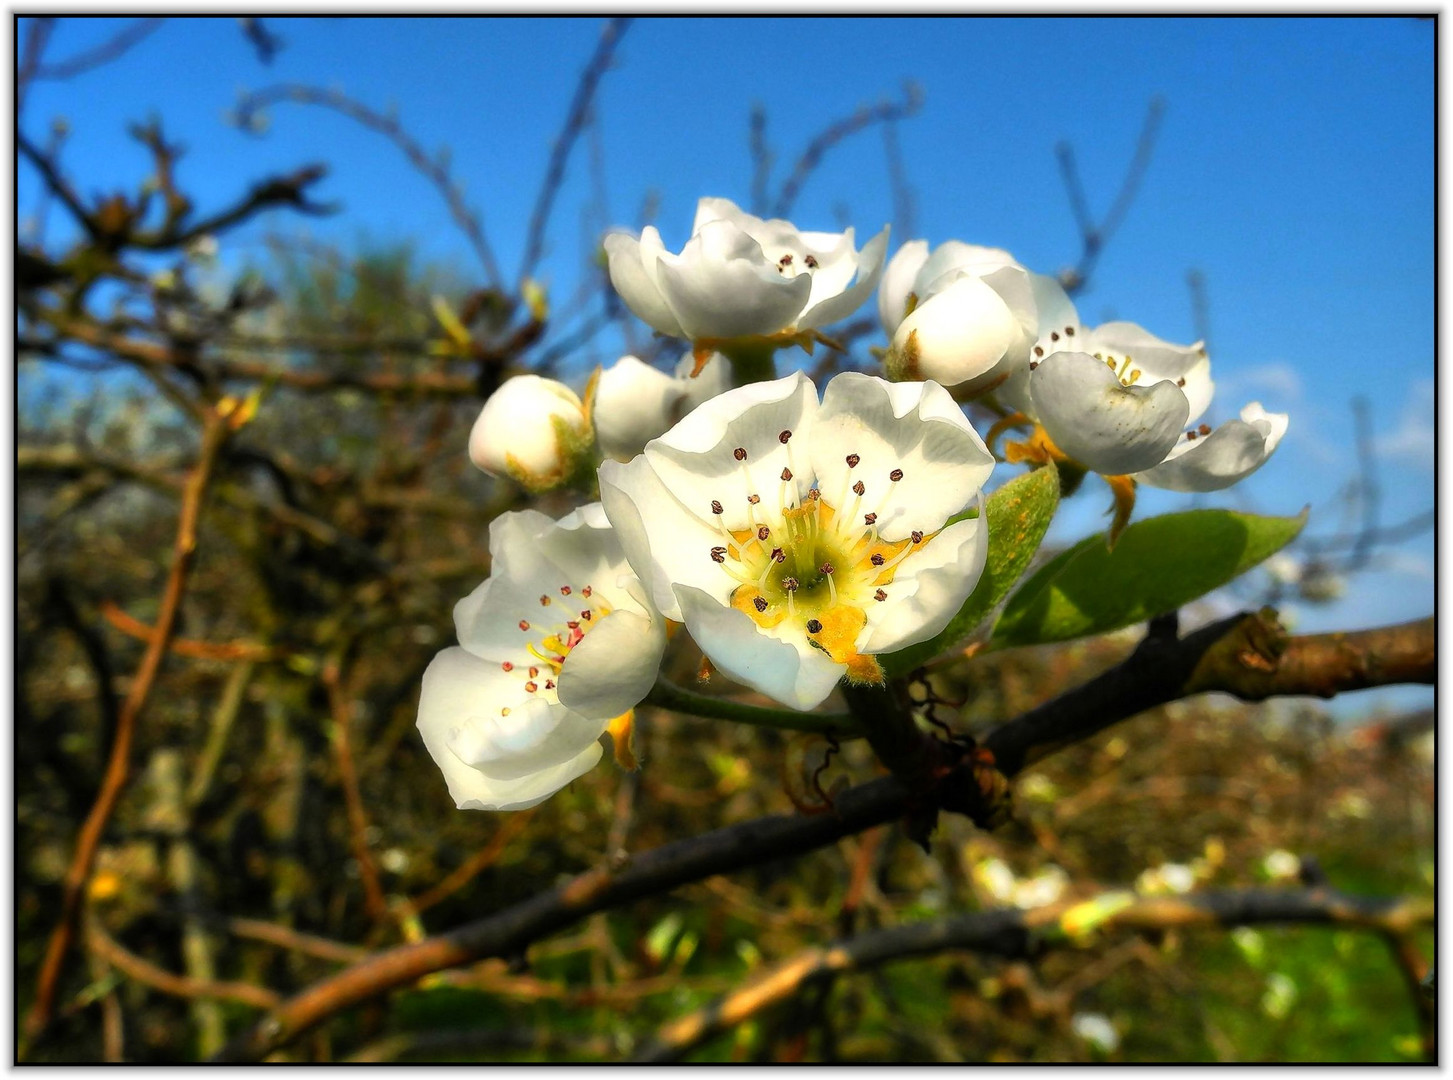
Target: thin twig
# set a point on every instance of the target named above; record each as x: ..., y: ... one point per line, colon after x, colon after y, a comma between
x: 835, y: 133
x: 1015, y: 933
x: 103, y: 53
x: 182, y: 986
x: 433, y: 170
x: 342, y: 741
x: 214, y: 433
x: 575, y: 121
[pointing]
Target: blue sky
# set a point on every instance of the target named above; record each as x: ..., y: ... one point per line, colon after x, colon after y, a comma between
x: 1294, y: 170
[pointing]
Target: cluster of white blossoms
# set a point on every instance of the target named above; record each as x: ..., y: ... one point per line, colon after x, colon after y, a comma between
x: 796, y: 539
x: 1115, y: 398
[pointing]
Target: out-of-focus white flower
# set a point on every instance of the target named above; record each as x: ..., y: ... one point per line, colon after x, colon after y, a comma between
x: 558, y: 643
x: 1121, y: 401
x: 1280, y: 995
x: 963, y: 315
x: 635, y: 403
x: 1097, y: 1030
x: 1043, y: 889
x: 1283, y: 569
x: 996, y: 879
x: 202, y: 249
x: 533, y: 430
x: 1281, y: 864
x: 1168, y: 878
x: 740, y: 276
x: 795, y: 540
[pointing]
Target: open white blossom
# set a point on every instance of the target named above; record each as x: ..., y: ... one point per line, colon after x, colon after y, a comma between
x: 560, y: 641
x: 533, y: 430
x: 740, y: 276
x: 1121, y: 401
x: 1097, y: 1030
x: 797, y: 540
x: 634, y: 402
x: 976, y: 313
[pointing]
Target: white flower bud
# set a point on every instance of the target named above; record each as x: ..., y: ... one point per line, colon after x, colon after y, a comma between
x: 532, y: 430
x: 634, y: 403
x: 955, y: 336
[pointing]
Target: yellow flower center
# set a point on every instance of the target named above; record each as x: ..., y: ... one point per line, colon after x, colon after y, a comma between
x: 552, y: 637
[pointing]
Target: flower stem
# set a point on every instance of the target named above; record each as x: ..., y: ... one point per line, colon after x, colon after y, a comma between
x: 667, y: 695
x: 752, y: 360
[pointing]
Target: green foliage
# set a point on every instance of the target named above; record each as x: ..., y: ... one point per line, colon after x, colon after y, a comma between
x: 1158, y: 565
x: 1018, y: 514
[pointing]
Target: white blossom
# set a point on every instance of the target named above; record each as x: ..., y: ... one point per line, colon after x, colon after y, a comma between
x: 740, y: 276
x: 1119, y: 400
x: 975, y: 314
x: 559, y: 641
x: 797, y: 540
x: 533, y: 430
x: 1097, y: 1030
x: 634, y: 402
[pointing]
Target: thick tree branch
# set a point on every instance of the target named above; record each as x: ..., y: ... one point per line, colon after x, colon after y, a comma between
x: 1012, y: 933
x: 1157, y: 672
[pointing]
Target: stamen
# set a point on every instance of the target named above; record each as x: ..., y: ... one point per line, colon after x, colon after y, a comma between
x: 716, y: 507
x: 896, y: 475
x: 534, y: 672
x: 916, y: 536
x: 786, y: 475
x: 507, y: 666
x: 1204, y: 429
x: 1069, y: 331
x: 564, y: 590
x: 853, y: 460
x: 585, y: 591
x: 549, y: 684
x: 740, y: 453
x: 869, y: 519
x: 530, y: 688
x: 763, y: 532
x: 524, y: 625
x: 754, y: 499
x: 718, y: 554
x: 813, y: 626
x: 877, y: 559
x: 544, y: 601
x: 783, y: 437
x: 880, y: 596
x: 1039, y: 350
x: 811, y: 262
x: 587, y: 615
x: 759, y: 603
x: 859, y: 489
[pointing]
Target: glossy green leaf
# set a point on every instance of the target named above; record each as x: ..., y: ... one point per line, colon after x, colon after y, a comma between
x: 1157, y: 565
x: 1018, y: 515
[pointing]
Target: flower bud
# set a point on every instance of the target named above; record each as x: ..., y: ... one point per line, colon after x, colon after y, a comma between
x: 634, y: 403
x: 534, y: 431
x: 956, y: 336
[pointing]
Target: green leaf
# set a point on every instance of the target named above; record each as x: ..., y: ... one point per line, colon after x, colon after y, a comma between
x: 1018, y: 515
x: 1156, y: 566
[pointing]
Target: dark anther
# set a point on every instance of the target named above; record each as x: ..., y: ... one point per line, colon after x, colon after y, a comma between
x: 853, y: 460
x: 763, y: 532
x: 916, y: 536
x: 859, y: 488
x: 740, y: 453
x: 715, y: 506
x: 813, y: 626
x: 759, y: 603
x: 876, y: 559
x: 783, y: 437
x: 868, y: 519
x: 718, y: 554
x: 896, y: 475
x: 786, y: 474
x: 880, y: 595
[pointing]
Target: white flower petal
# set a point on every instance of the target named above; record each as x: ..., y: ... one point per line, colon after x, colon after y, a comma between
x: 458, y: 686
x: 1229, y: 454
x: 711, y: 208
x: 722, y: 286
x: 636, y: 283
x: 515, y: 427
x: 614, y: 666
x: 959, y: 334
x: 830, y: 308
x: 715, y: 378
x: 698, y: 454
x: 928, y: 588
x: 1199, y: 389
x: 914, y: 428
x: 899, y: 278
x: 789, y: 671
x: 634, y: 403
x: 956, y: 258
x: 1155, y: 358
x: 1107, y: 427
x: 662, y: 540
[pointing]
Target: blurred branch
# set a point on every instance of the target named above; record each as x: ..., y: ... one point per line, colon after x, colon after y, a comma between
x: 104, y: 53
x: 1161, y: 670
x: 762, y: 157
x: 905, y: 215
x: 476, y: 864
x: 1094, y: 237
x: 182, y: 986
x: 864, y: 117
x: 435, y: 170
x: 247, y: 651
x: 214, y: 434
x: 1012, y: 933
x: 575, y: 121
x: 265, y: 43
x: 342, y: 741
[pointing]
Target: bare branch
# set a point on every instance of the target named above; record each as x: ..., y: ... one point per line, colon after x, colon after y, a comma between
x: 1012, y: 933
x: 575, y: 121
x: 435, y: 171
x: 1160, y: 671
x: 102, y: 54
x: 864, y: 117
